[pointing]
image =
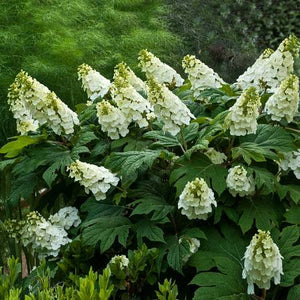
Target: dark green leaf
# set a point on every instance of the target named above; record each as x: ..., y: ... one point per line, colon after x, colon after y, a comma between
x: 147, y: 229
x: 105, y: 230
x: 199, y: 166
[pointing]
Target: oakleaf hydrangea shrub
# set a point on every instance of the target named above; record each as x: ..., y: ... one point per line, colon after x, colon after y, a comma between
x: 159, y: 184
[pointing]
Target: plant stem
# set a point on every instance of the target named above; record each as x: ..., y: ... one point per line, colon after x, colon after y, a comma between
x: 183, y: 141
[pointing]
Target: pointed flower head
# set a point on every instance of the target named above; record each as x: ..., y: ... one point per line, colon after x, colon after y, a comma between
x: 262, y: 262
x: 33, y: 104
x: 132, y: 104
x: 168, y: 108
x: 284, y: 102
x: 200, y: 75
x: 153, y: 67
x: 196, y: 200
x: 268, y: 71
x: 242, y: 116
x: 97, y: 180
x: 122, y: 71
x: 120, y: 260
x: 94, y: 84
x: 239, y: 183
x: 112, y: 120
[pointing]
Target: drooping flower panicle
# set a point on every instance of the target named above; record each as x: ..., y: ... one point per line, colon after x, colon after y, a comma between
x: 239, y: 183
x: 153, y: 67
x: 93, y: 82
x: 285, y: 100
x: 262, y: 262
x: 97, y: 180
x: 196, y: 200
x: 200, y: 75
x: 168, y: 108
x: 33, y: 105
x: 242, y: 117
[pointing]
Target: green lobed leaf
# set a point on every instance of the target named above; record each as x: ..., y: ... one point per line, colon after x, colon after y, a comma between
x: 263, y: 212
x: 106, y: 230
x: 223, y: 250
x: 155, y: 204
x: 131, y: 163
x: 199, y: 166
x: 145, y: 228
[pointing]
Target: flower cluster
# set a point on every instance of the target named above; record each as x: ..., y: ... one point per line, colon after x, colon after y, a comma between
x: 121, y: 260
x: 242, y: 116
x: 132, y: 104
x: 271, y: 67
x: 46, y: 237
x: 66, y: 218
x: 96, y: 179
x: 239, y: 183
x: 112, y: 120
x: 284, y: 102
x: 200, y: 75
x: 33, y: 105
x: 123, y: 71
x: 93, y: 82
x: 153, y: 67
x: 168, y: 108
x: 262, y: 262
x: 291, y: 161
x: 196, y: 200
x: 215, y: 156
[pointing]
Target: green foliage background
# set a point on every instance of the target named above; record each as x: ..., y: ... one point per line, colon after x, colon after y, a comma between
x: 49, y: 39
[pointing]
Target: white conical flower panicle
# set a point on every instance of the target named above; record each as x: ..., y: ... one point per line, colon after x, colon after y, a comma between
x: 153, y: 67
x: 262, y: 262
x: 242, y: 116
x: 239, y: 183
x: 93, y: 82
x: 284, y: 102
x: 291, y: 161
x: 97, y: 180
x: 200, y: 75
x: 196, y: 200
x: 34, y: 104
x: 123, y: 71
x: 194, y: 245
x: 66, y: 218
x: 215, y: 156
x: 168, y: 108
x: 271, y: 67
x: 132, y: 104
x: 112, y: 120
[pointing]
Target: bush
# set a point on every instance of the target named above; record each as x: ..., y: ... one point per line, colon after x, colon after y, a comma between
x: 193, y: 181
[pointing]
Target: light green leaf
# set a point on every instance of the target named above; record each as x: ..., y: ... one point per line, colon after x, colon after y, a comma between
x: 164, y: 139
x: 14, y: 148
